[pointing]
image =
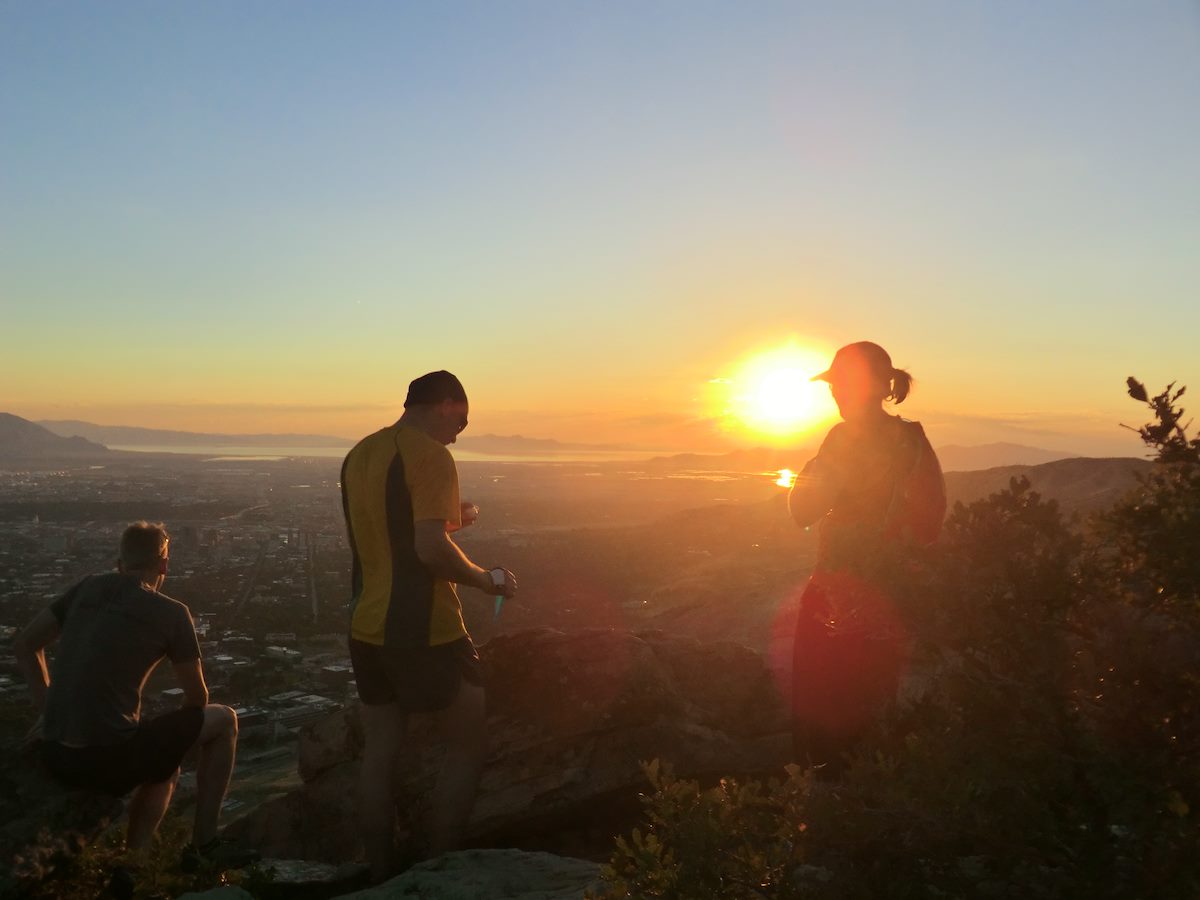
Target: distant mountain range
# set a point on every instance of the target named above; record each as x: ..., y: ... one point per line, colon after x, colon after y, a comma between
x: 515, y: 444
x: 1082, y: 484
x: 987, y: 456
x: 69, y: 438
x: 22, y: 439
x: 130, y: 436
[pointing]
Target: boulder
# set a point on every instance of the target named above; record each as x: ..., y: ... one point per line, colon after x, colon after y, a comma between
x: 229, y: 892
x: 495, y: 874
x: 300, y: 879
x: 329, y: 741
x: 571, y: 717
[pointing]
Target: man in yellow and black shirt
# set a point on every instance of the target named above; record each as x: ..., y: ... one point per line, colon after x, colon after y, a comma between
x: 409, y: 646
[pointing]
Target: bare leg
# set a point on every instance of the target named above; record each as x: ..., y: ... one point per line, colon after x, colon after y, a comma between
x: 383, y: 728
x: 218, y: 747
x: 147, y: 807
x: 463, y: 728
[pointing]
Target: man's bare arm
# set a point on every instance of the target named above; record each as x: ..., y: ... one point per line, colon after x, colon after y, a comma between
x: 445, y: 559
x: 190, y: 675
x: 30, y: 650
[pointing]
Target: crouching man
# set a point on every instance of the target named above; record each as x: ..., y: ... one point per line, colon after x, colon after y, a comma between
x: 113, y: 630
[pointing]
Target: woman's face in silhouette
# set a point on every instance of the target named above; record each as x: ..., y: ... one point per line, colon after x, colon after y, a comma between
x: 858, y: 392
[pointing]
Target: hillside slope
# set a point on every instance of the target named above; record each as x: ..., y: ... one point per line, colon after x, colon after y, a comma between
x: 22, y: 439
x: 1080, y: 485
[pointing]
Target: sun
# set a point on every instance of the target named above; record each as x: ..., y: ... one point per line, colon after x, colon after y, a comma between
x: 771, y: 393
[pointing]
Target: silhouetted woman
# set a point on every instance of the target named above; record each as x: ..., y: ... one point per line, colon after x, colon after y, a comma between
x: 876, y: 487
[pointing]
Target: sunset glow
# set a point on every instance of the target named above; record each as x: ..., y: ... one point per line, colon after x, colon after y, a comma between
x: 622, y: 225
x: 772, y: 393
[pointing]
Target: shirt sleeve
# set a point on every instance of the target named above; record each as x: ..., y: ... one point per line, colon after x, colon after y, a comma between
x: 183, y: 645
x: 433, y: 486
x: 62, y: 606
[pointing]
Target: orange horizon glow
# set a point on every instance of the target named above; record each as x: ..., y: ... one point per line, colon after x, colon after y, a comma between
x: 762, y: 397
x: 771, y: 394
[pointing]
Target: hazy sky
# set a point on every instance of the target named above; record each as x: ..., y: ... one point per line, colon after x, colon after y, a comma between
x: 253, y: 216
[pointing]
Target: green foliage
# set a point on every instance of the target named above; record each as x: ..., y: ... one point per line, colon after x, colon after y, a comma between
x: 1005, y: 548
x: 733, y: 840
x: 1047, y: 747
x: 156, y: 870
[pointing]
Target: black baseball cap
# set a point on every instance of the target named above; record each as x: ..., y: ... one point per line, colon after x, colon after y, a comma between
x: 434, y: 387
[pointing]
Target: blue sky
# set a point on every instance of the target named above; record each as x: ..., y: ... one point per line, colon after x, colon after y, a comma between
x: 590, y: 210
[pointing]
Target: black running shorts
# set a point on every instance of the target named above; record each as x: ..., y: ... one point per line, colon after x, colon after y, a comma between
x: 416, y: 679
x: 152, y: 755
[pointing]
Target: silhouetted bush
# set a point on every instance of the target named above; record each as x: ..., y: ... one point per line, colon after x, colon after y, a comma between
x: 1153, y: 535
x: 155, y: 870
x: 734, y: 840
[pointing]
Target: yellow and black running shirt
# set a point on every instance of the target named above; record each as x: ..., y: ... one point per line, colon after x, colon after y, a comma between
x: 390, y: 480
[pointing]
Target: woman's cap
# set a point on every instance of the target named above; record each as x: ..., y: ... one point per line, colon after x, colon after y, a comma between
x: 855, y: 358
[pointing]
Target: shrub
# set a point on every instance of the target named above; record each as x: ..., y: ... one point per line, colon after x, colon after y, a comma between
x: 156, y: 872
x: 1153, y: 535
x: 733, y: 840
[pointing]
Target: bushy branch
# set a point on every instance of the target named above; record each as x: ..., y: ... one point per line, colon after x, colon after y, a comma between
x: 1153, y: 535
x: 1165, y: 435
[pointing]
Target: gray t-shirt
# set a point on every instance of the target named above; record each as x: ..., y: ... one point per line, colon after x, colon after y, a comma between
x: 114, y: 631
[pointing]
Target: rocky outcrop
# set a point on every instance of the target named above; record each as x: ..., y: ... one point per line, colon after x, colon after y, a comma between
x: 301, y: 879
x: 495, y: 874
x: 571, y: 716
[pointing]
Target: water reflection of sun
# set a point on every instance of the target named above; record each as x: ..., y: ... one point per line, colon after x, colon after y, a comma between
x: 771, y: 395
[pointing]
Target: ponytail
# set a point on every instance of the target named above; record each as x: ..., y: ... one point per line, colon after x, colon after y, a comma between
x: 901, y: 384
